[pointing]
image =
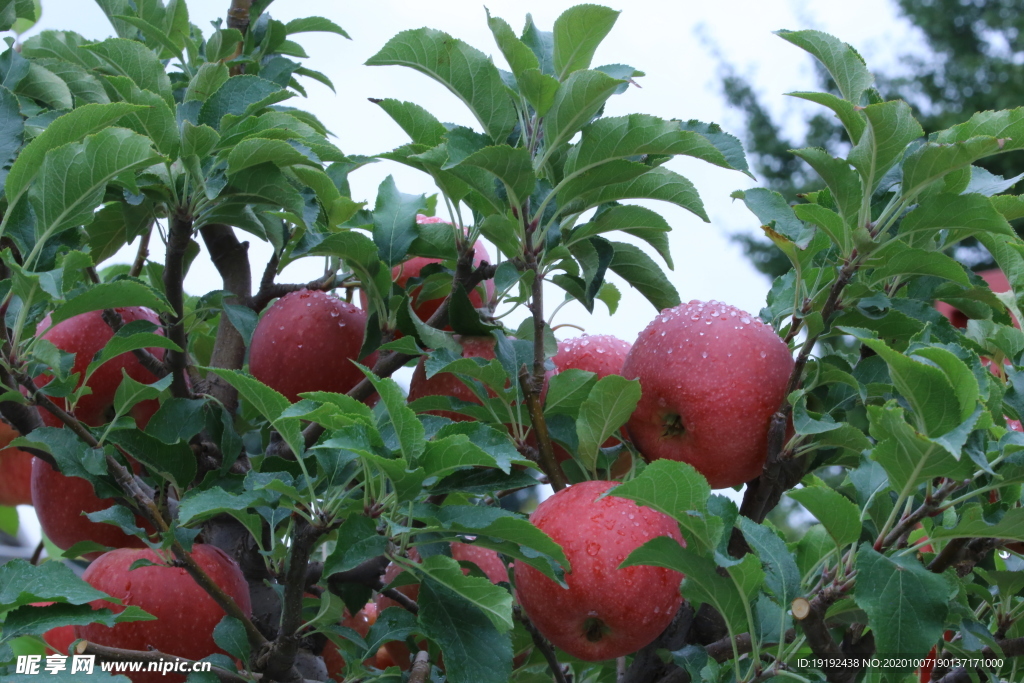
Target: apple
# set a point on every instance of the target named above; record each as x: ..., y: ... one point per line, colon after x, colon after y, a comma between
x: 308, y: 341
x: 484, y: 558
x: 15, y: 470
x: 61, y: 503
x: 85, y: 335
x: 712, y: 376
x: 360, y: 622
x: 997, y: 282
x: 185, y: 614
x: 603, y: 355
x: 606, y: 612
x: 403, y: 272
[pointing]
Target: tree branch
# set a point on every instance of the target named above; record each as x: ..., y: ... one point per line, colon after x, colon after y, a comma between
x: 541, y: 643
x: 420, y: 667
x: 1010, y: 648
x: 178, y: 235
x: 820, y: 638
x: 647, y: 665
x: 156, y: 366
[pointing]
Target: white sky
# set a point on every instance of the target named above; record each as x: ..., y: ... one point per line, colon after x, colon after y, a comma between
x: 659, y: 37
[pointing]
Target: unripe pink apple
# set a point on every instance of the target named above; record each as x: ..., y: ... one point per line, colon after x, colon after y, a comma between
x: 606, y: 612
x: 61, y: 503
x: 15, y: 470
x: 712, y: 376
x: 185, y: 614
x: 307, y: 342
x: 85, y: 335
x: 401, y: 274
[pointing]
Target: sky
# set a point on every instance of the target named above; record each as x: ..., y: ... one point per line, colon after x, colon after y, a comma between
x: 674, y: 42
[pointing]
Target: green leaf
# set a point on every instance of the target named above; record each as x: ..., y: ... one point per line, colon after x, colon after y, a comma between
x: 494, y: 601
x: 907, y: 457
x: 73, y: 178
x: 229, y: 634
x: 568, y: 390
x: 577, y: 101
x: 11, y: 129
x: 642, y: 273
x: 269, y: 403
x: 843, y: 182
x: 133, y: 59
x: 775, y: 213
x: 974, y: 525
x: 22, y: 583
x: 236, y: 96
x: 70, y: 127
x: 120, y: 294
x: 730, y: 149
x: 1006, y: 125
x: 155, y: 34
x: 42, y: 84
x: 208, y: 80
x: 539, y: 89
x: 468, y: 73
x: 408, y: 428
x: 931, y: 161
x: 519, y: 57
x: 394, y: 221
x: 638, y: 221
x: 679, y: 491
x: 577, y: 33
x: 358, y: 541
x: 906, y: 604
x: 891, y: 126
x: 842, y: 62
x: 256, y: 151
x: 829, y: 221
x: 314, y: 24
x: 511, y: 165
x: 781, y: 574
x: 442, y: 456
x: 419, y: 124
x: 477, y: 652
x: 37, y: 619
x: 839, y: 515
x: 155, y: 120
x: 197, y: 505
x: 896, y: 258
x: 846, y: 111
x: 962, y: 215
x: 926, y: 388
x: 174, y: 462
x: 610, y: 403
x: 658, y: 183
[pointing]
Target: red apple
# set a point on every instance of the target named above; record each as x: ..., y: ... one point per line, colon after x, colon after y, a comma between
x: 15, y: 470
x: 85, y: 335
x: 401, y: 274
x: 360, y: 623
x: 607, y: 612
x: 997, y: 282
x: 712, y: 376
x: 185, y: 614
x: 307, y: 342
x: 484, y: 558
x: 61, y: 503
x: 603, y: 355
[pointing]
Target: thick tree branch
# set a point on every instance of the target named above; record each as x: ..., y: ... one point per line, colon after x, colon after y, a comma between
x: 178, y: 235
x: 820, y: 638
x: 420, y: 667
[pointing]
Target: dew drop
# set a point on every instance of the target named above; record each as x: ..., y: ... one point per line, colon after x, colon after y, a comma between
x: 745, y: 320
x: 341, y: 324
x: 631, y: 516
x: 695, y: 316
x: 763, y: 354
x: 703, y: 354
x: 707, y: 322
x: 593, y: 549
x: 585, y: 343
x: 335, y: 314
x: 300, y: 346
x: 663, y: 333
x: 599, y: 349
x: 281, y: 328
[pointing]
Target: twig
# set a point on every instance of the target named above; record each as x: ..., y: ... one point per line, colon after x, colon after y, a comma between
x: 541, y: 643
x: 546, y: 456
x: 142, y: 254
x: 420, y: 667
x: 931, y: 505
x: 820, y: 638
x: 114, y: 654
x: 37, y: 554
x: 1010, y: 648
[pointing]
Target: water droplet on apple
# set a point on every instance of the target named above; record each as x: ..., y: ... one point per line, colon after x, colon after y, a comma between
x: 335, y: 314
x: 695, y: 316
x: 703, y: 354
x: 281, y: 327
x: 593, y: 548
x: 764, y: 354
x: 745, y: 320
x: 632, y: 516
x: 341, y: 324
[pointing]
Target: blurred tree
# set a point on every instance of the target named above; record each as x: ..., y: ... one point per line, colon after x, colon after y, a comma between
x: 975, y: 62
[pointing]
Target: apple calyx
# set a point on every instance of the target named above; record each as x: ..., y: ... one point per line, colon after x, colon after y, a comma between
x: 595, y: 629
x: 673, y: 423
